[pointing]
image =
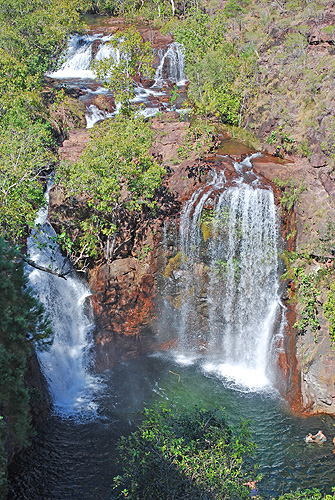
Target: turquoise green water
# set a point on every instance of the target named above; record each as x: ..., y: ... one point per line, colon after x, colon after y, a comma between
x: 76, y: 460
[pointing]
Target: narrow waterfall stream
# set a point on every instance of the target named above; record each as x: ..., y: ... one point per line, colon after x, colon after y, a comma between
x: 66, y: 363
x: 171, y: 66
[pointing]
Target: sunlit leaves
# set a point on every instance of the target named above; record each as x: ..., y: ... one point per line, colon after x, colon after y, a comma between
x: 115, y: 170
x: 24, y: 156
x: 135, y: 60
x: 35, y: 32
x: 217, y: 70
x: 186, y: 454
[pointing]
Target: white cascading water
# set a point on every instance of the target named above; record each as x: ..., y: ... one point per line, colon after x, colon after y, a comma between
x: 77, y: 66
x: 79, y: 56
x: 94, y: 115
x: 65, y: 364
x: 171, y: 66
x: 228, y: 279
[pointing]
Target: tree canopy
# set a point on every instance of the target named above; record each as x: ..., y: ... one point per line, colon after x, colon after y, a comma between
x: 185, y: 454
x: 23, y: 325
x: 116, y: 169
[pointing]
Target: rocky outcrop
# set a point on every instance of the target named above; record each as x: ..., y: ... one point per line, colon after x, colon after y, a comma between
x: 314, y: 375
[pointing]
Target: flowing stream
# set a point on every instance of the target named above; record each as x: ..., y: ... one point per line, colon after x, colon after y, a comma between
x: 76, y: 71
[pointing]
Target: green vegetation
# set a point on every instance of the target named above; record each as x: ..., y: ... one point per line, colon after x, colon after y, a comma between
x: 308, y: 294
x: 197, y: 142
x: 217, y: 69
x: 36, y: 32
x: 32, y: 36
x: 329, y: 311
x: 309, y: 494
x: 115, y: 170
x: 24, y: 161
x: 283, y: 142
x: 185, y: 454
x: 22, y: 326
x: 291, y: 191
x: 312, y: 280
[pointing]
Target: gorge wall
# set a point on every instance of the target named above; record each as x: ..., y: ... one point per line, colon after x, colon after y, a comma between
x: 124, y: 287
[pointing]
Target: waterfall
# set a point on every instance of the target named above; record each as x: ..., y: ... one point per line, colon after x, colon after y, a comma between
x: 171, y: 66
x: 66, y: 363
x: 227, y: 282
x: 81, y: 51
x: 94, y: 115
x: 76, y: 70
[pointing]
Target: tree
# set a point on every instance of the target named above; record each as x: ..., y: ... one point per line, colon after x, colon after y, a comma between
x: 23, y: 326
x: 32, y: 36
x: 36, y: 32
x: 115, y: 170
x: 185, y: 454
x: 217, y: 70
x: 135, y: 60
x: 25, y: 158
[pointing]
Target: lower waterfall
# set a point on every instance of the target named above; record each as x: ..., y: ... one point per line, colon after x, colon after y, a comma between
x: 224, y: 294
x: 66, y: 363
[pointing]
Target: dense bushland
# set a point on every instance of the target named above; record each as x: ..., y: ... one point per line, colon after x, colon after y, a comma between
x: 23, y: 326
x: 32, y: 36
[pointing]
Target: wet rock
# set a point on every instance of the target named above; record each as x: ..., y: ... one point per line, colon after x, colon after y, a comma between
x: 95, y: 47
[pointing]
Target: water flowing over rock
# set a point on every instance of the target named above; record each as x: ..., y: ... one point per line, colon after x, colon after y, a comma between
x: 66, y: 362
x: 76, y: 71
x: 171, y: 66
x: 82, y: 50
x: 221, y: 290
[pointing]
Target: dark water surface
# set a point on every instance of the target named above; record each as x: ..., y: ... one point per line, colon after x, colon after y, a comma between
x: 70, y: 460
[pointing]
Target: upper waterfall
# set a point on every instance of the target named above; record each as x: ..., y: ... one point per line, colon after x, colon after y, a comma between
x: 81, y: 51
